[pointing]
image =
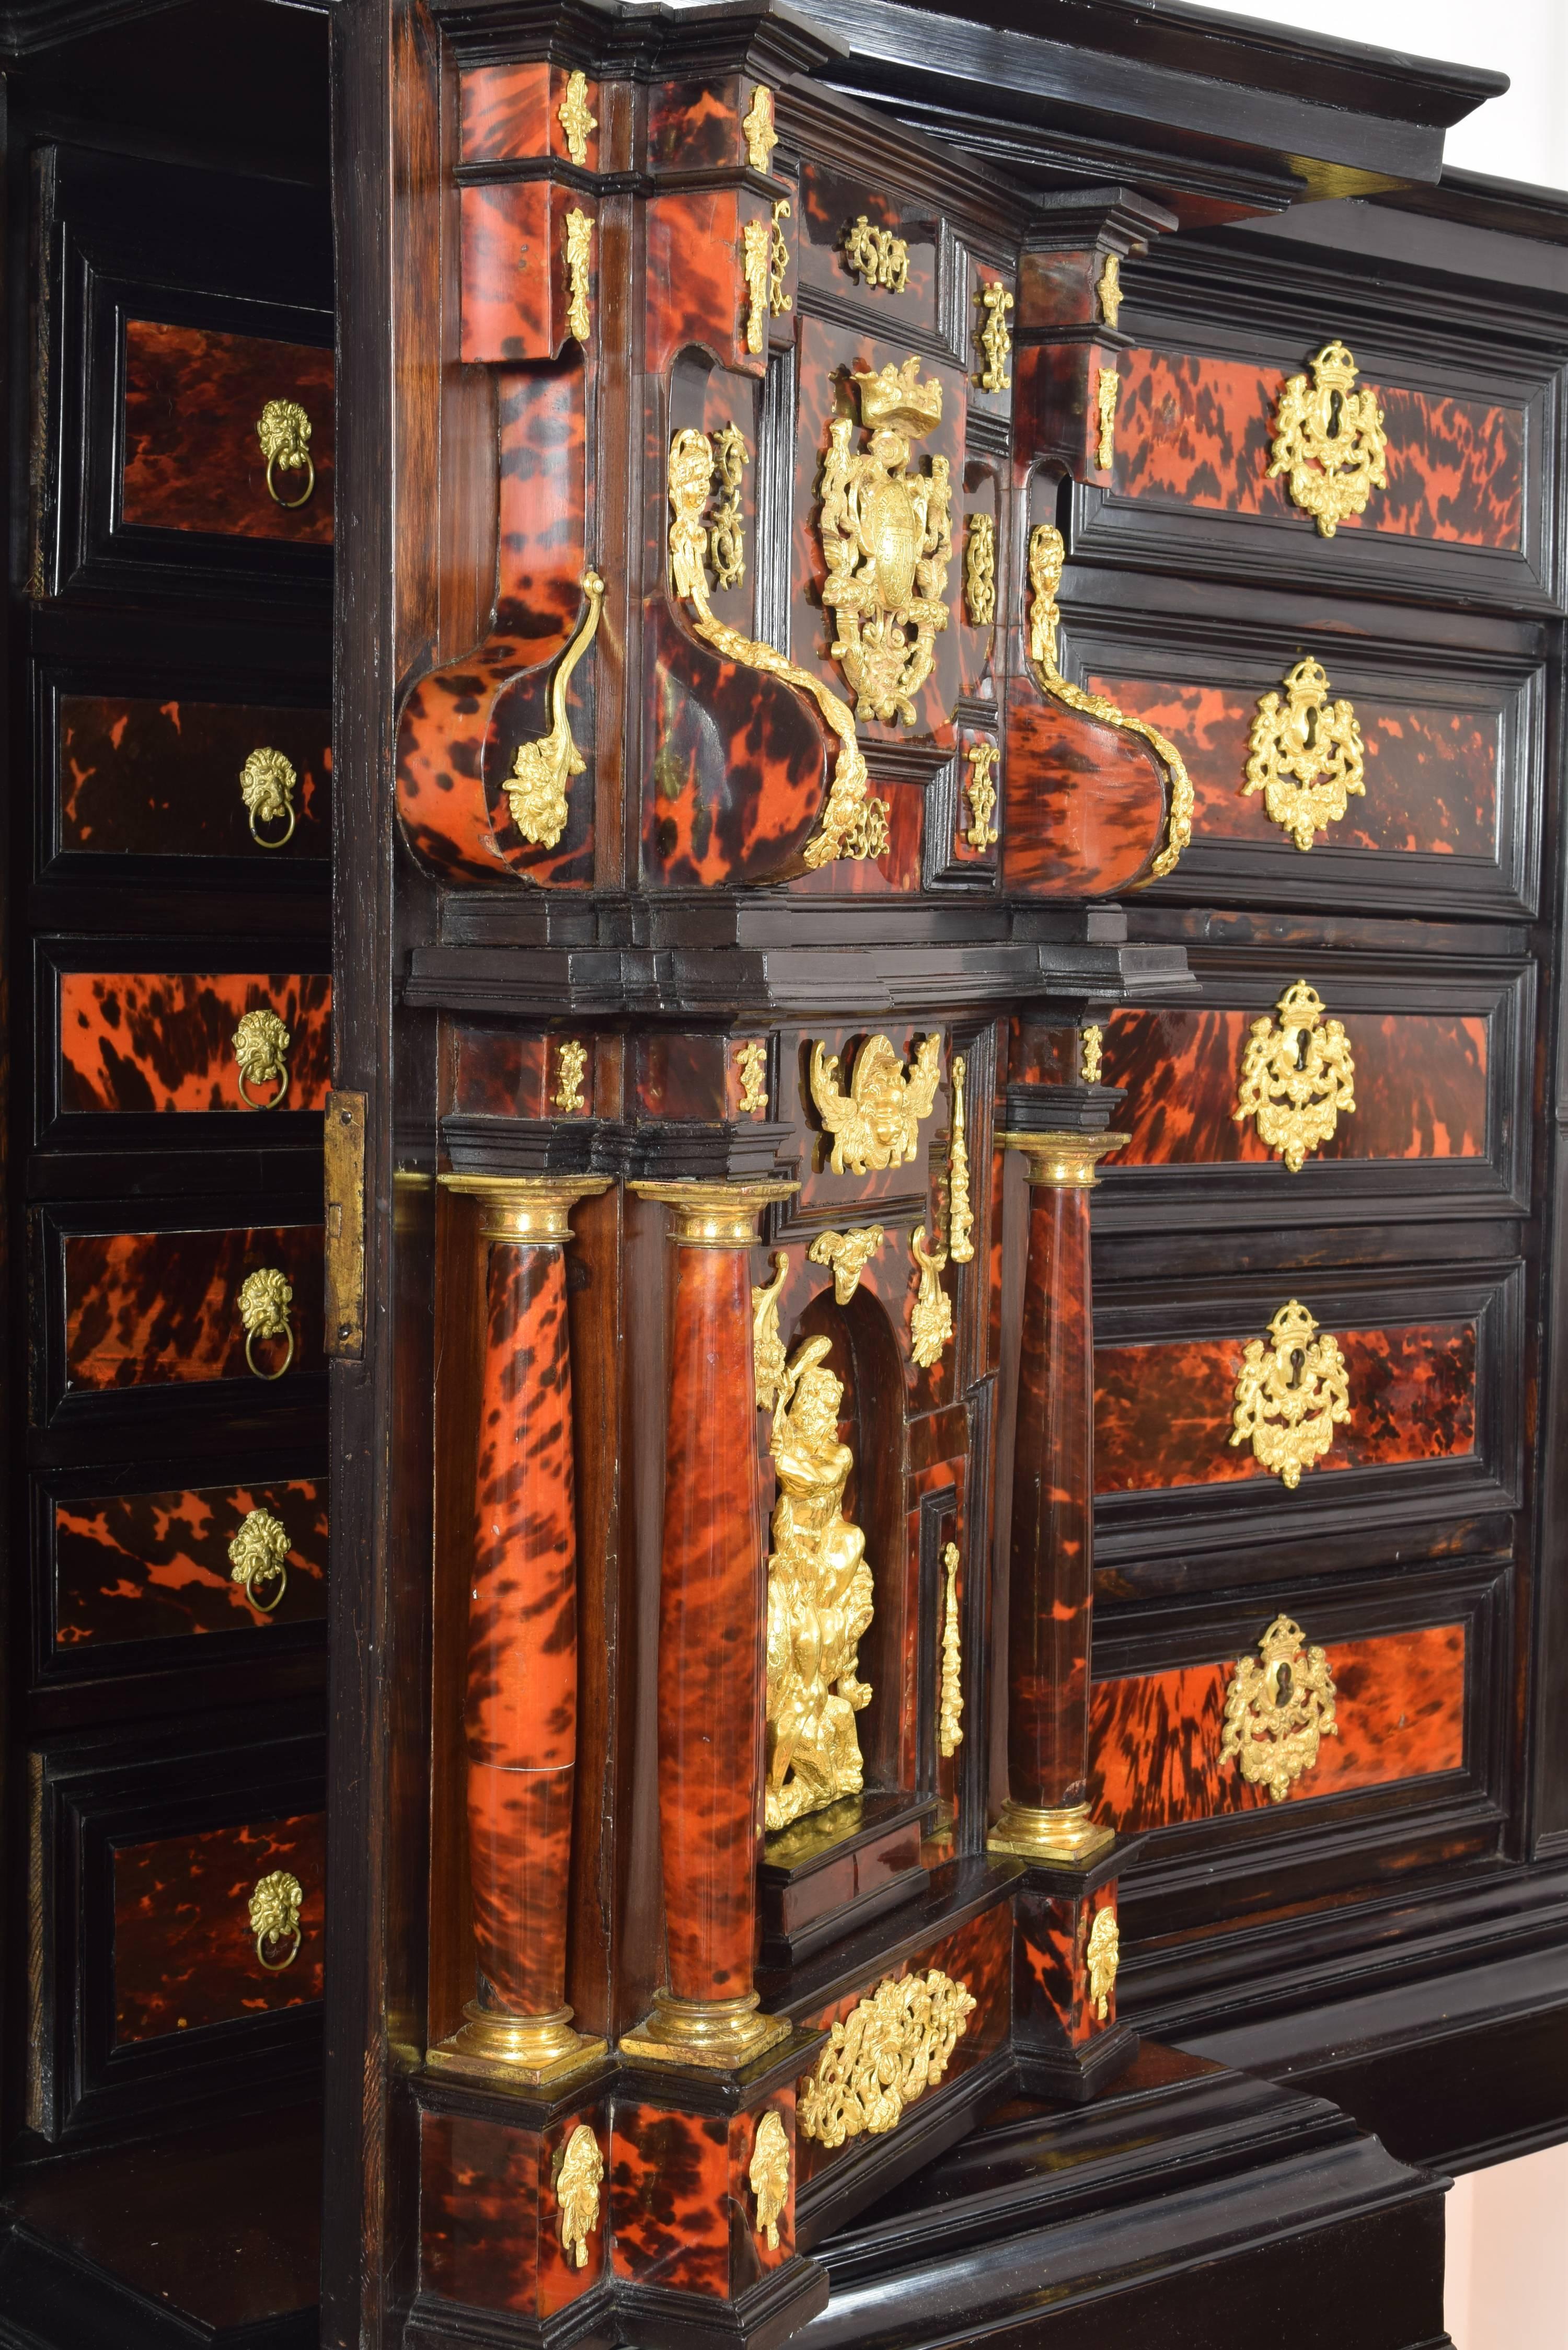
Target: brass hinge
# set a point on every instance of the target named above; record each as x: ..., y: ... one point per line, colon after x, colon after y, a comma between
x: 345, y: 1263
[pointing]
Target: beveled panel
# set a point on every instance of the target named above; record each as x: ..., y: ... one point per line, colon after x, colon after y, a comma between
x: 192, y: 460
x: 144, y: 1309
x: 142, y: 777
x: 137, y: 1567
x: 184, y: 1951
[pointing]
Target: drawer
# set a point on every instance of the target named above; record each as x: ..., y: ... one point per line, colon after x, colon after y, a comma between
x: 127, y: 1569
x: 1241, y: 1417
x: 199, y: 415
x: 135, y: 776
x: 148, y: 1044
x: 150, y: 1849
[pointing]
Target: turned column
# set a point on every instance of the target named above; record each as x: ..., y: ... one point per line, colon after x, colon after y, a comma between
x: 520, y: 1712
x: 712, y: 1613
x: 1051, y: 1594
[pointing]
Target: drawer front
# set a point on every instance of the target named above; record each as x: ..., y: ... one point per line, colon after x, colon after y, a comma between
x: 137, y: 777
x: 145, y: 1309
x: 133, y: 1567
x: 185, y: 1951
x: 140, y: 1043
x: 193, y: 460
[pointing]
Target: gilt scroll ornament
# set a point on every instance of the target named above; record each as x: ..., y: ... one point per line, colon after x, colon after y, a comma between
x: 536, y: 787
x: 752, y: 1061
x: 960, y: 1214
x: 848, y: 1253
x: 260, y: 1043
x: 950, y: 1716
x: 778, y: 261
x: 1305, y: 755
x: 727, y: 531
x: 877, y: 1123
x: 1278, y: 1712
x: 756, y: 268
x: 578, y: 2193
x: 571, y: 1067
x: 1108, y: 288
x: 768, y: 1361
x: 757, y: 124
x: 267, y: 786
x: 1291, y: 1392
x: 931, y: 1315
x: 769, y: 2174
x: 887, y: 2052
x: 886, y: 538
x: 274, y: 1906
x: 979, y: 571
x: 577, y: 123
x: 819, y: 1600
x: 1047, y: 555
x: 877, y: 256
x: 853, y: 823
x: 981, y: 793
x: 1298, y: 1078
x: 1329, y: 441
x: 993, y: 337
x: 1102, y: 1957
x: 259, y: 1554
x: 579, y: 255
x: 1107, y: 386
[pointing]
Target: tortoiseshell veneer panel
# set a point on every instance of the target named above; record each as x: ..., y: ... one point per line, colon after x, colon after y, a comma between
x: 139, y: 1042
x: 192, y: 460
x: 143, y: 778
x: 184, y: 1953
x: 1156, y: 1737
x: 1051, y: 1974
x: 489, y: 2219
x: 143, y: 1309
x: 511, y: 114
x: 1420, y: 1086
x: 155, y: 1567
x: 1163, y: 1411
x: 680, y: 2192
x: 1199, y: 432
x: 1430, y: 775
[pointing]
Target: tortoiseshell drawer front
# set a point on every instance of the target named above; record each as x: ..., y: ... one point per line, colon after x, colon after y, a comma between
x: 185, y: 1950
x: 195, y: 458
x: 146, y: 1309
x: 175, y: 777
x: 149, y: 1042
x: 213, y: 1559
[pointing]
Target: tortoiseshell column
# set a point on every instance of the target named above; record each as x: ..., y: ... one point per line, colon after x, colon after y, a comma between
x: 712, y: 1599
x: 520, y: 1714
x: 1046, y: 1815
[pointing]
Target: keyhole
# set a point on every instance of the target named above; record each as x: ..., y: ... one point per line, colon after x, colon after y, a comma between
x: 1282, y: 1683
x: 1301, y: 1048
x: 1309, y: 727
x: 1298, y: 1363
x: 1335, y: 405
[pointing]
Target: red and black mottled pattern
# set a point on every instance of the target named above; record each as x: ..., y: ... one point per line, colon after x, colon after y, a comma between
x: 829, y: 201
x: 155, y: 1567
x: 1051, y: 1557
x: 751, y: 2254
x: 896, y: 873
x: 676, y: 1076
x: 479, y: 2211
x: 192, y: 460
x: 184, y: 1951
x: 673, y: 2213
x: 1200, y: 431
x: 1163, y: 1413
x: 1420, y: 1086
x: 162, y: 778
x: 1051, y: 1977
x: 459, y: 731
x: 1057, y: 289
x: 137, y: 1041
x: 1085, y: 802
x: 1041, y: 1057
x: 145, y: 1307
x: 1400, y: 1707
x: 1430, y: 775
x: 696, y: 282
x: 521, y: 1714
x: 510, y: 113
x: 696, y: 126
x: 709, y: 1637
x: 515, y: 289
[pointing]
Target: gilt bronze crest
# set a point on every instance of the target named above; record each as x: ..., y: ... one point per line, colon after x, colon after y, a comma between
x: 1278, y: 1712
x: 1291, y: 1392
x: 1329, y: 441
x: 887, y: 539
x: 1305, y: 754
x: 1298, y: 1078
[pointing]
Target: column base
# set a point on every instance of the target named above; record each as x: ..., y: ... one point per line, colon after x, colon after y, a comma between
x: 1067, y: 1837
x: 528, y: 2049
x: 720, y: 2035
x: 1073, y: 2075
x: 1066, y: 2037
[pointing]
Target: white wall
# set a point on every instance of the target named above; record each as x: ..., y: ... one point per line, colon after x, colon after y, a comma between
x: 1507, y: 2281
x: 1523, y: 135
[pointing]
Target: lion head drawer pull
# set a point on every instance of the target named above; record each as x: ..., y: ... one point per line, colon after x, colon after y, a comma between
x: 1297, y: 1079
x: 1305, y: 755
x: 264, y: 1300
x: 274, y: 1917
x: 267, y: 786
x: 1329, y: 440
x: 260, y: 1045
x: 259, y: 1554
x: 1278, y: 1712
x: 1291, y: 1395
x: 283, y: 428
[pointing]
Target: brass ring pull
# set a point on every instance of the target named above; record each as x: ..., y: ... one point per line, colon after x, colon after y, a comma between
x: 267, y: 786
x: 283, y: 428
x: 264, y: 1300
x: 260, y: 1045
x: 259, y: 1554
x: 274, y: 1909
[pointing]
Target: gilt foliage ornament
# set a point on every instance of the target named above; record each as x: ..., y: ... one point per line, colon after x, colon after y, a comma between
x: 1298, y: 1078
x: 1305, y: 754
x: 1107, y: 387
x: 820, y: 1600
x: 1293, y: 1390
x: 960, y: 1214
x: 877, y: 256
x: 756, y: 268
x: 536, y: 789
x: 1278, y: 1712
x: 1103, y: 1956
x: 1047, y: 555
x: 751, y: 1060
x: 853, y: 823
x: 579, y: 255
x: 571, y: 1067
x: 848, y: 1253
x: 1108, y: 287
x: 887, y: 2052
x: 981, y: 793
x: 877, y: 1123
x: 577, y: 123
x: 949, y: 1715
x: 993, y: 337
x: 931, y: 1315
x: 757, y: 124
x: 727, y: 531
x: 769, y: 2174
x: 768, y: 1359
x: 1329, y: 441
x: 887, y: 539
x: 979, y: 571
x: 577, y: 2192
